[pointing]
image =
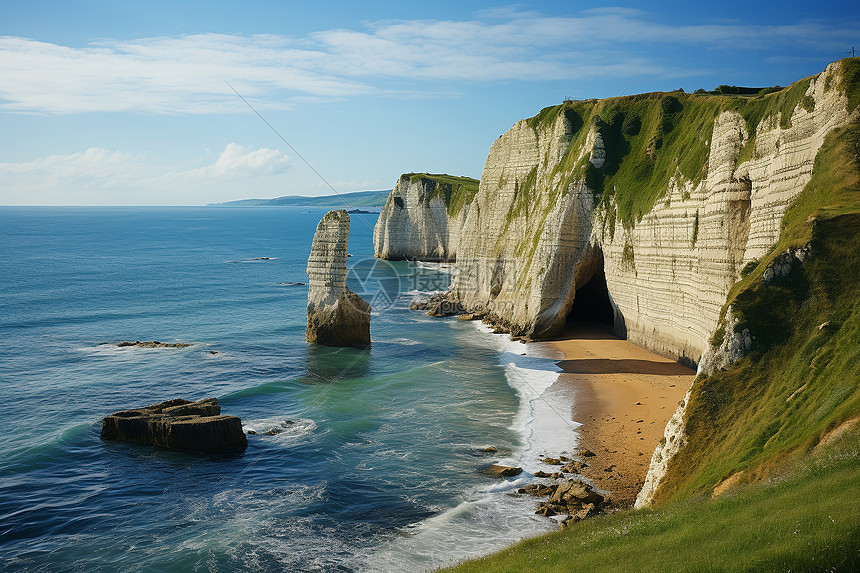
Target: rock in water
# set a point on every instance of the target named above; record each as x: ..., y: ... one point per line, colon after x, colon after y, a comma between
x: 336, y: 315
x: 502, y: 471
x: 178, y: 425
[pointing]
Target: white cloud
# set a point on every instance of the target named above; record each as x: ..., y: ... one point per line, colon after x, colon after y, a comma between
x: 237, y: 161
x: 186, y: 74
x: 104, y: 177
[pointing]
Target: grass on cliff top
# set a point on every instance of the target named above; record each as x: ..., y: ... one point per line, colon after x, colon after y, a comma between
x: 649, y: 139
x: 804, y: 521
x: 655, y: 137
x: 456, y: 192
x: 802, y: 377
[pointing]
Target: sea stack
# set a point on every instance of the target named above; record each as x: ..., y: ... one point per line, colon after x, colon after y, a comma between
x: 178, y: 425
x: 336, y: 315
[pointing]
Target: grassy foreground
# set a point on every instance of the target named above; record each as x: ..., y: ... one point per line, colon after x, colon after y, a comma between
x: 806, y: 519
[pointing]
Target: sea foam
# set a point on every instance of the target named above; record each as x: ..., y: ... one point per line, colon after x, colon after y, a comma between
x: 493, y: 517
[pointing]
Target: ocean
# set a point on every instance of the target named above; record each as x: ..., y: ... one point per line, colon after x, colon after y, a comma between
x: 378, y: 464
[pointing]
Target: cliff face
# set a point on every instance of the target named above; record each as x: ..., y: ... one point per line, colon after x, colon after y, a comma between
x: 336, y: 315
x: 672, y: 193
x: 678, y: 202
x: 423, y: 217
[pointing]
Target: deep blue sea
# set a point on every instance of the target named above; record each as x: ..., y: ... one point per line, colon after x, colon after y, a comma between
x: 379, y: 469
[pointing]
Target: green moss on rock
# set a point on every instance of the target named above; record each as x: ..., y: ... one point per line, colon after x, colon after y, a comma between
x: 653, y: 138
x: 455, y: 192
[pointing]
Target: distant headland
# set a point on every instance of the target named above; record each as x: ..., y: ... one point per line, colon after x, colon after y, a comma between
x: 341, y: 200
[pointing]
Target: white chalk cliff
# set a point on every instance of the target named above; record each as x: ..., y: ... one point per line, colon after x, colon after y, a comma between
x: 423, y: 217
x: 336, y: 315
x: 561, y: 195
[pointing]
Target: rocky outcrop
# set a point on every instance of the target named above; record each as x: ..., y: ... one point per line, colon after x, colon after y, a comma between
x: 336, y: 315
x: 178, y: 425
x: 151, y: 344
x: 496, y: 470
x: 573, y: 498
x: 423, y: 217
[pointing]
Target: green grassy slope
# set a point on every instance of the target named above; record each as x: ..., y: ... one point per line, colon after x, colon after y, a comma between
x: 456, y: 192
x: 802, y: 377
x: 654, y: 137
x: 807, y: 520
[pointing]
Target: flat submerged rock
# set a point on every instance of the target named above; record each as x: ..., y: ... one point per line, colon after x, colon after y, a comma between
x: 151, y: 344
x: 178, y: 424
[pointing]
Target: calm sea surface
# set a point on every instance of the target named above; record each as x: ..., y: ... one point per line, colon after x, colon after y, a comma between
x: 378, y: 470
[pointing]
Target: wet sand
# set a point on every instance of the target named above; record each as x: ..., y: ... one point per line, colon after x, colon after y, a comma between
x: 623, y: 397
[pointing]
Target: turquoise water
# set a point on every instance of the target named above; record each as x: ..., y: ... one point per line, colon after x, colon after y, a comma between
x: 379, y: 470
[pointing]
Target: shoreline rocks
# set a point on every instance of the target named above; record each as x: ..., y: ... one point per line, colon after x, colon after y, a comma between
x: 336, y: 315
x: 503, y: 471
x: 571, y: 497
x: 178, y: 424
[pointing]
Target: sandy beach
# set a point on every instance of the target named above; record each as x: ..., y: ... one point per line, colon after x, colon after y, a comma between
x: 623, y: 396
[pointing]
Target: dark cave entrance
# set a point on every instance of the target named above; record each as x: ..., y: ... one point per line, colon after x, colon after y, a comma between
x: 592, y: 303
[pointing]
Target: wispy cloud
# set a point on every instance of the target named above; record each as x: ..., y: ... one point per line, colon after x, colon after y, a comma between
x: 104, y: 176
x: 237, y: 161
x: 185, y: 74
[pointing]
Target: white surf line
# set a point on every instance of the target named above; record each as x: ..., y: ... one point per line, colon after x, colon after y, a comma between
x: 539, y: 421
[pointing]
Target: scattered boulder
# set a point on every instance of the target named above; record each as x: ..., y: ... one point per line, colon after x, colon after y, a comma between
x: 574, y: 498
x: 336, y: 315
x: 574, y: 467
x: 178, y: 425
x: 503, y: 471
x: 546, y: 510
x: 587, y: 511
x: 575, y: 492
x: 551, y: 461
x: 538, y: 489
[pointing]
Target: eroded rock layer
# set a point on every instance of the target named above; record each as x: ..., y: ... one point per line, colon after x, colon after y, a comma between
x: 422, y: 217
x: 178, y: 425
x: 336, y: 315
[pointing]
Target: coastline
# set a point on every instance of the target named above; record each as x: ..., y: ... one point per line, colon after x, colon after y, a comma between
x: 623, y: 396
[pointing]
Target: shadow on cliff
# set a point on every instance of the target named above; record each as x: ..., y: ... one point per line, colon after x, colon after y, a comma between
x: 583, y: 330
x: 623, y: 366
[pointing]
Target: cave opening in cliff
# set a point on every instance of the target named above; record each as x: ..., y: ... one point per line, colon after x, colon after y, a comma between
x: 591, y: 302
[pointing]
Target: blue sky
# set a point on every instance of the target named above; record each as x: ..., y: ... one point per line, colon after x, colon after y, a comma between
x: 127, y: 103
